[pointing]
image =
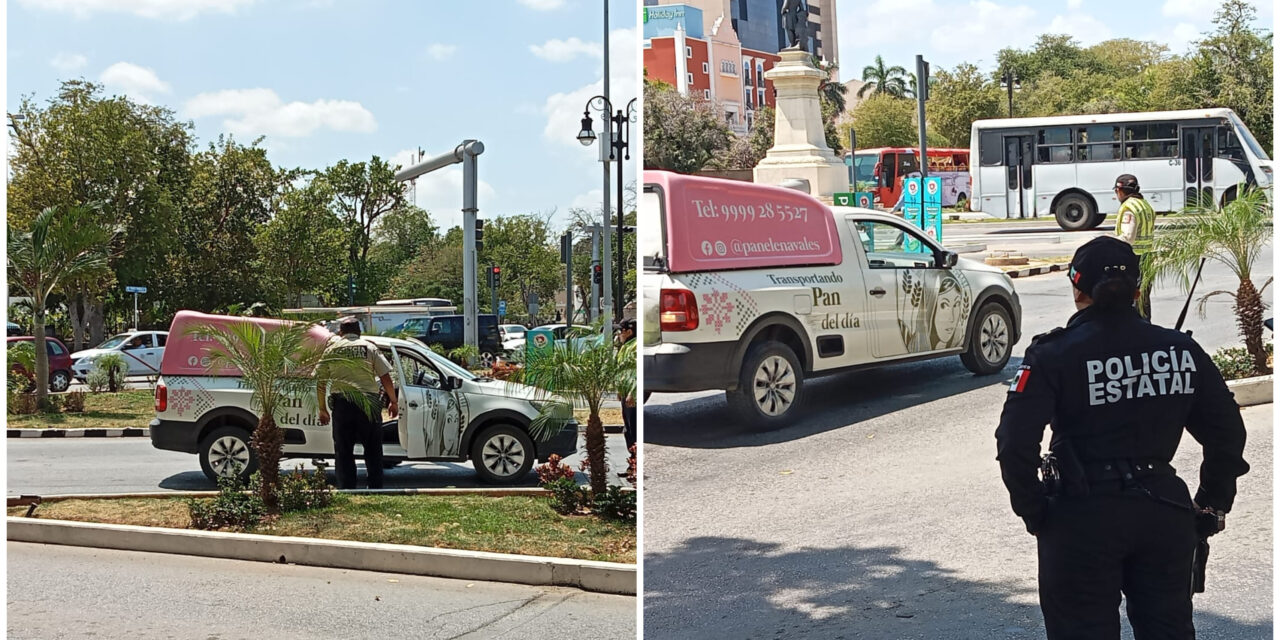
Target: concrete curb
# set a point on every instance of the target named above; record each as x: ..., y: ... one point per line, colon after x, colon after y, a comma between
x: 23, y: 500
x: 604, y: 577
x: 140, y: 432
x: 1252, y: 391
x: 1035, y: 271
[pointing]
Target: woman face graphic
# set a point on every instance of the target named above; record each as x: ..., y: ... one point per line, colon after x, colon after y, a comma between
x: 946, y: 315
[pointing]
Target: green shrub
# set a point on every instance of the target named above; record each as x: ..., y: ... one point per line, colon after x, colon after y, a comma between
x: 303, y: 491
x: 232, y: 508
x: 464, y: 355
x: 108, y: 373
x: 567, y: 496
x: 1235, y: 362
x: 616, y: 504
x: 22, y: 404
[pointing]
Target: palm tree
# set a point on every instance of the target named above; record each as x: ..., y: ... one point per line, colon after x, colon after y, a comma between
x: 63, y: 243
x: 1233, y: 236
x: 584, y: 371
x: 277, y: 364
x: 882, y: 79
x: 832, y: 92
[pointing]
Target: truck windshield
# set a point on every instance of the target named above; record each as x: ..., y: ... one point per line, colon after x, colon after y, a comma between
x: 649, y: 229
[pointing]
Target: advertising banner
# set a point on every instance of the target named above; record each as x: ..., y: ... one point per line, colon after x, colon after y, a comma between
x: 186, y: 353
x: 860, y: 199
x: 932, y: 222
x: 715, y: 224
x: 913, y: 210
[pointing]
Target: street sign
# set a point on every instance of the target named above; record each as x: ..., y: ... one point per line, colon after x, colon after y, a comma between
x: 502, y: 308
x: 135, y: 289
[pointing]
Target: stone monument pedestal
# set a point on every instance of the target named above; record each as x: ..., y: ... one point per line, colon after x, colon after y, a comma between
x: 800, y: 150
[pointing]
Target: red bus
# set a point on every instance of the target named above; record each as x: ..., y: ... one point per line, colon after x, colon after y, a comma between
x: 885, y: 167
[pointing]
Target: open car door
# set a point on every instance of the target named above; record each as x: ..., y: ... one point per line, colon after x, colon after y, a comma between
x: 430, y: 423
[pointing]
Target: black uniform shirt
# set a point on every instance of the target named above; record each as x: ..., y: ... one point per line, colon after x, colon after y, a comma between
x: 1118, y: 387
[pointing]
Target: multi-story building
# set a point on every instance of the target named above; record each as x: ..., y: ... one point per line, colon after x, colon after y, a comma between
x: 693, y: 46
x: 726, y: 47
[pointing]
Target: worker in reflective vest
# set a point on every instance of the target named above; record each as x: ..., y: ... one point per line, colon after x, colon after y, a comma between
x: 1136, y: 225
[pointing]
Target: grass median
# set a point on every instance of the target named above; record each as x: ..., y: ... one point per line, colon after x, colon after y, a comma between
x: 514, y: 524
x: 120, y: 410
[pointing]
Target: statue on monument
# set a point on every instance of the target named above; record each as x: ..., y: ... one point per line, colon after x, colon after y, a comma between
x: 795, y: 22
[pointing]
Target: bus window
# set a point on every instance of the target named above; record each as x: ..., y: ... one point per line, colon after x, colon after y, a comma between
x: 864, y: 167
x: 1229, y: 145
x: 1144, y: 141
x: 1054, y: 145
x: 990, y: 150
x: 1096, y: 143
x: 907, y: 164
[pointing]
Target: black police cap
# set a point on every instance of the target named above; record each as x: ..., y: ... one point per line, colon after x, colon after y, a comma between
x: 1103, y: 258
x: 1127, y: 182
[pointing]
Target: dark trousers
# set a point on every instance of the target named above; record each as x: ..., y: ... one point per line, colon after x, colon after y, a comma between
x: 1094, y: 548
x: 629, y: 425
x: 352, y: 425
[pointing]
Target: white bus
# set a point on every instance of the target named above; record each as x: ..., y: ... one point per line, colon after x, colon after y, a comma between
x: 1066, y: 166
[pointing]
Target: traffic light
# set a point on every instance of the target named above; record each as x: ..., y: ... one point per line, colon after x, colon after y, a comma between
x: 597, y: 274
x: 479, y: 234
x: 495, y: 276
x: 566, y: 247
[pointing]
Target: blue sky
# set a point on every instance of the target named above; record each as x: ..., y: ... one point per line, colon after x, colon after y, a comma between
x: 325, y: 80
x: 948, y: 32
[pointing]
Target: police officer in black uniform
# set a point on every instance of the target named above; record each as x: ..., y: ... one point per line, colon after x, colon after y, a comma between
x: 1117, y: 392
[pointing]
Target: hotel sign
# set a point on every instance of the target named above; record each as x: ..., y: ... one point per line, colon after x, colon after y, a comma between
x: 663, y: 13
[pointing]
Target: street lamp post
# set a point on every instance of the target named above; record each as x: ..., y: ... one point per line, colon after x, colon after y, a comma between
x: 1009, y: 81
x: 617, y: 133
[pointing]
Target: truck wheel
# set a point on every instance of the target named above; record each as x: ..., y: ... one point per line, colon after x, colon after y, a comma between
x: 1074, y: 212
x: 769, y: 386
x: 502, y: 454
x: 226, y: 450
x: 990, y: 342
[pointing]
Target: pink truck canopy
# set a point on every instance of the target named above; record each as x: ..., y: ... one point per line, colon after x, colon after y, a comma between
x: 188, y: 355
x: 714, y: 224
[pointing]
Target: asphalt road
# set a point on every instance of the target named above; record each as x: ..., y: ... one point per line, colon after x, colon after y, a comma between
x: 72, y: 592
x: 880, y: 514
x: 47, y: 466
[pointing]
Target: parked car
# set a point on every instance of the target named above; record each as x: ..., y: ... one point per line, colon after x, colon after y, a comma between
x: 446, y: 331
x: 13, y: 330
x: 59, y: 362
x: 446, y: 412
x: 142, y: 351
x: 512, y: 336
x: 753, y: 289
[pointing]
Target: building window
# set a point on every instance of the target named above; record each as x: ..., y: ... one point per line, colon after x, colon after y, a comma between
x: 689, y: 78
x: 706, y: 93
x: 760, y: 72
x: 688, y: 52
x: 760, y: 94
x: 728, y: 67
x: 746, y: 70
x: 706, y: 68
x: 751, y: 119
x: 746, y: 97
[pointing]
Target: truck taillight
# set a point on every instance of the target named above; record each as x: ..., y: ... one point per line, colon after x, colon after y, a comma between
x: 162, y: 398
x: 678, y: 310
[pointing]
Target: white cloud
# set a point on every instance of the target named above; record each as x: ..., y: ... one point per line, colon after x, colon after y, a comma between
x: 592, y: 200
x: 1074, y: 4
x: 139, y: 83
x: 566, y: 50
x: 155, y: 9
x: 440, y: 191
x: 564, y: 110
x: 1182, y: 36
x: 442, y: 51
x: 543, y: 5
x: 68, y: 62
x: 1083, y: 27
x: 1203, y: 10
x: 253, y: 112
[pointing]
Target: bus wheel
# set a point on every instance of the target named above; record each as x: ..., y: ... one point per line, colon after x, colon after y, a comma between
x: 1074, y: 212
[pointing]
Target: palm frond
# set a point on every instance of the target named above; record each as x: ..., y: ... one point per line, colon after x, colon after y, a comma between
x: 1204, y: 300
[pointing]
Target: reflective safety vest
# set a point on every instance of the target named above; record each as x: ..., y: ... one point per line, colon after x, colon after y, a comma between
x: 1144, y: 218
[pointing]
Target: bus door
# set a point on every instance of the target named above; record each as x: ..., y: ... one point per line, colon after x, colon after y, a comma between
x: 1019, y: 198
x: 1197, y: 164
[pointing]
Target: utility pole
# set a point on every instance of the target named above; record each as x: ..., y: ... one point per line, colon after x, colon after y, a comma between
x: 606, y: 150
x: 922, y: 94
x: 595, y: 260
x: 566, y: 256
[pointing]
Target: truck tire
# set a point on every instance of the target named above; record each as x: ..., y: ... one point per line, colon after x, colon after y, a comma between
x: 1074, y: 212
x: 225, y: 449
x: 770, y: 386
x: 990, y: 340
x: 502, y: 454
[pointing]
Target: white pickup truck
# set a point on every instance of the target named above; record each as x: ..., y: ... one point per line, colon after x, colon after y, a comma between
x: 752, y: 289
